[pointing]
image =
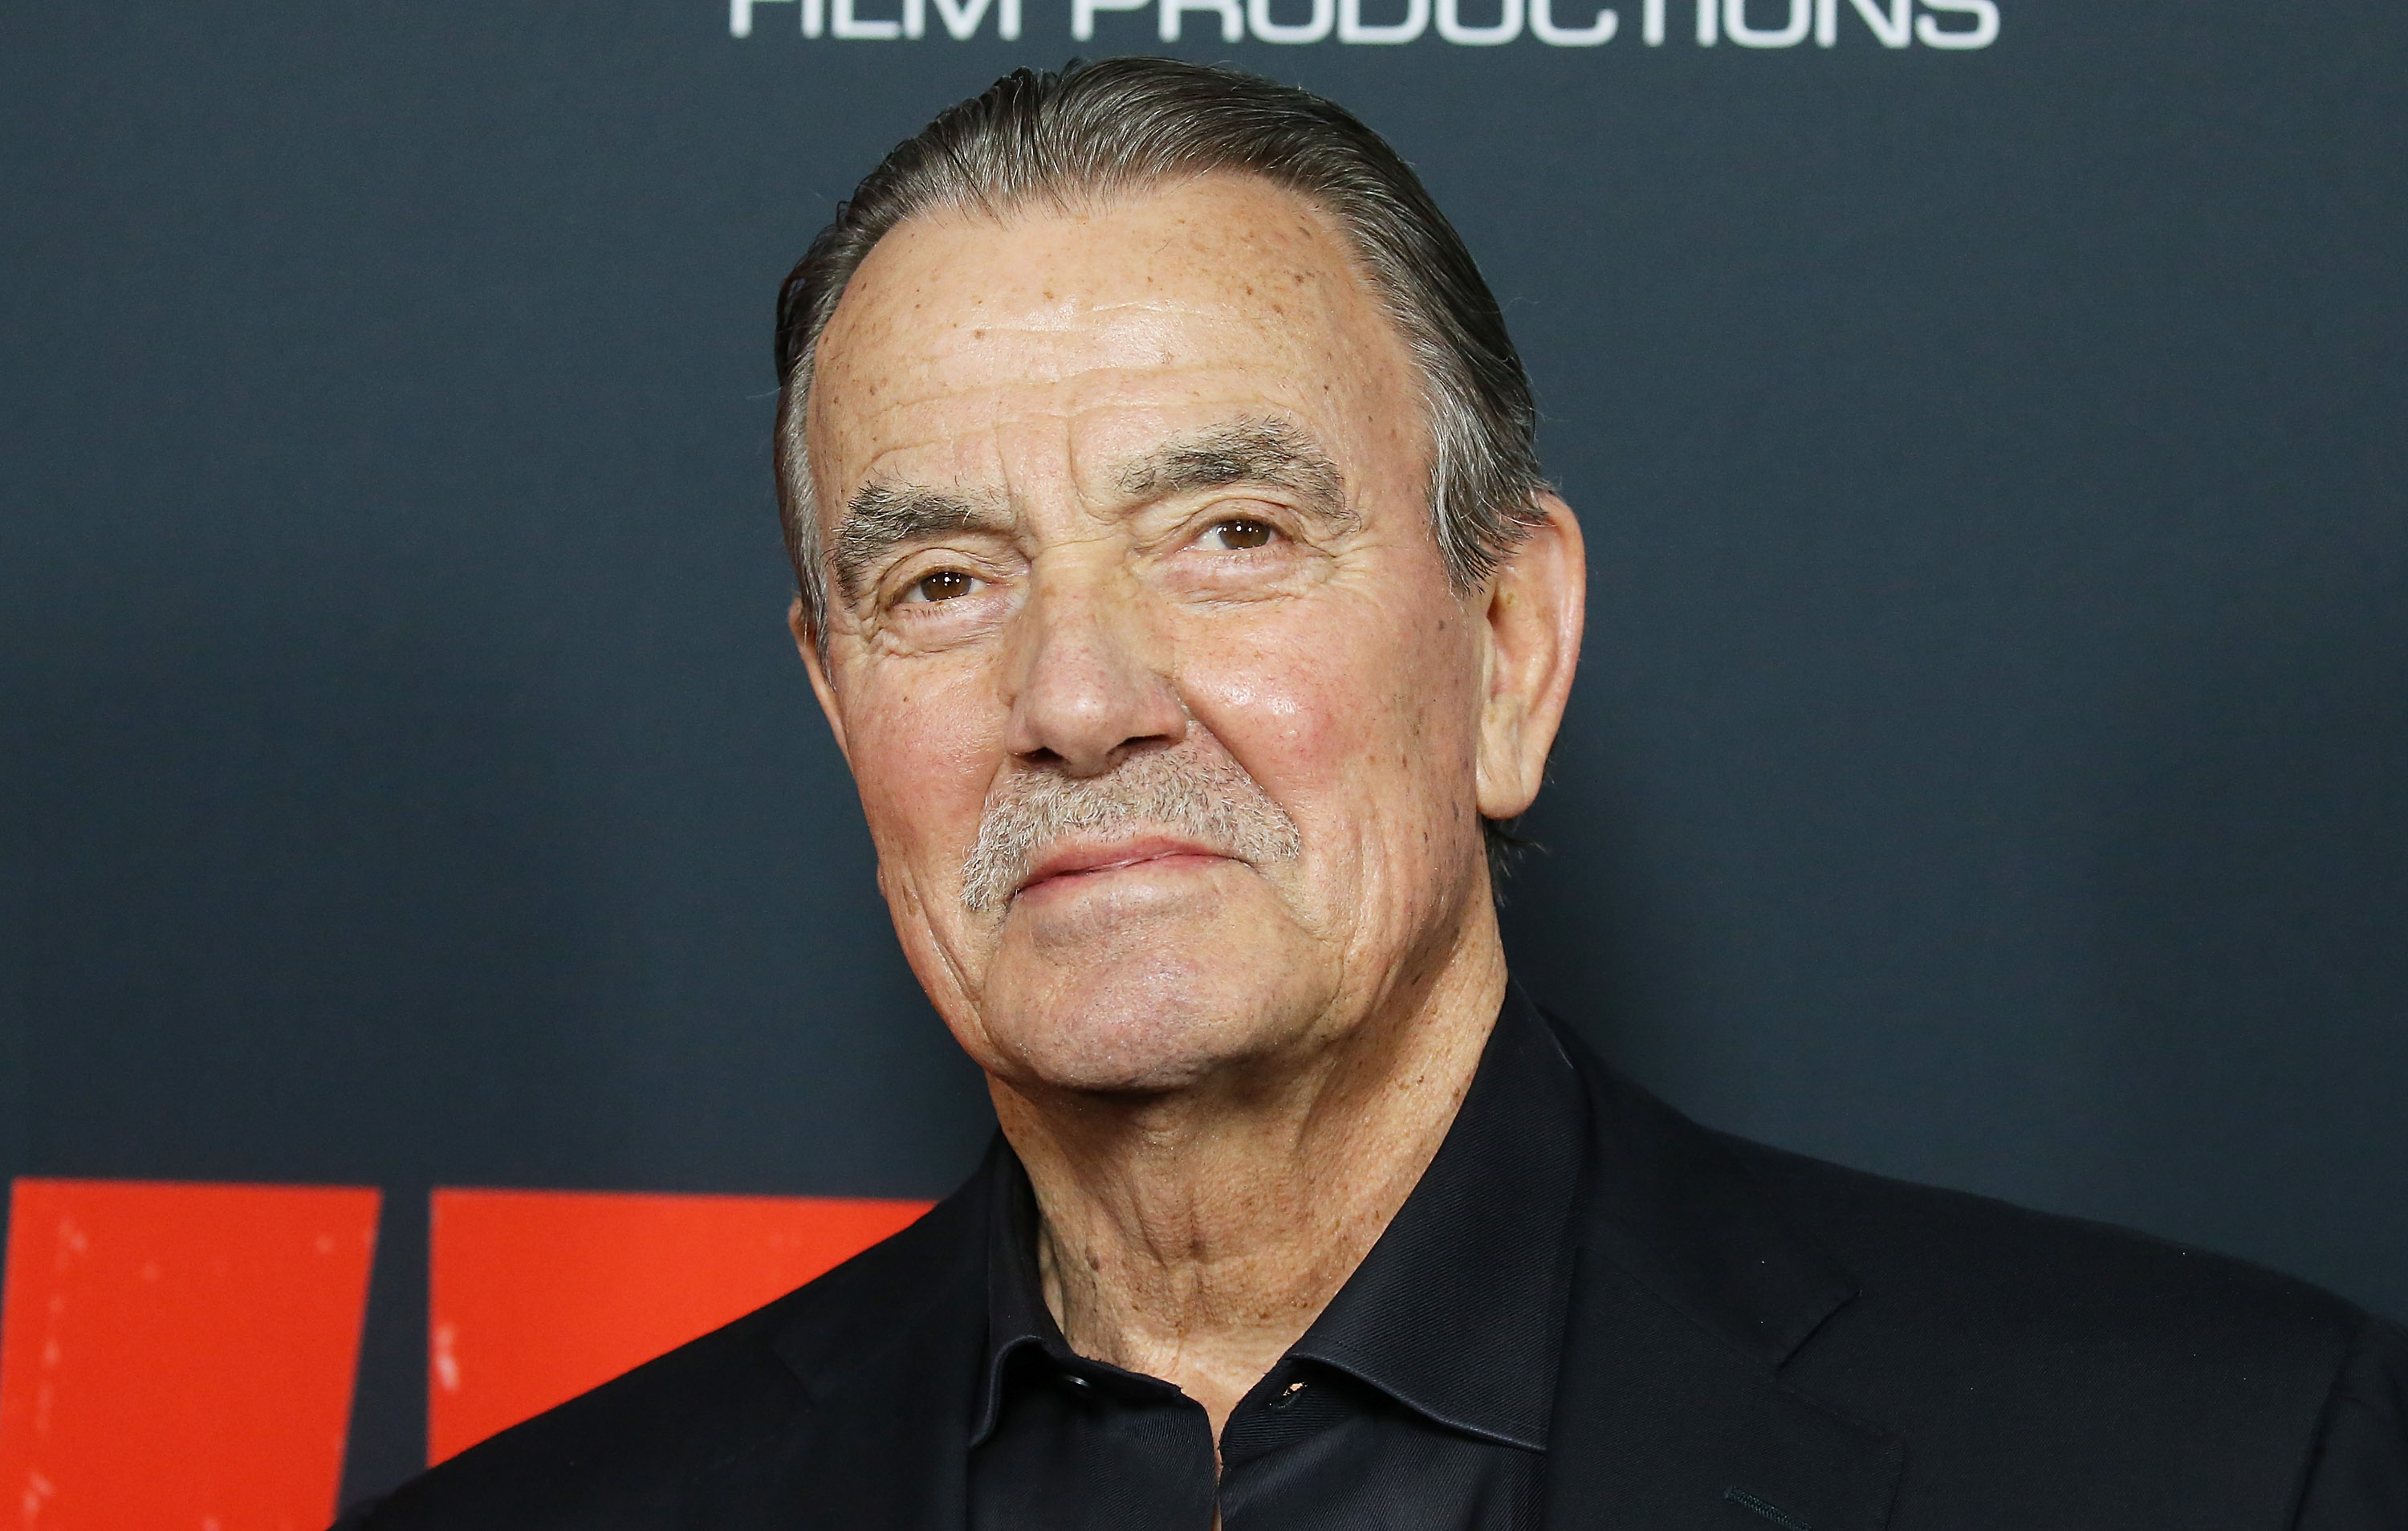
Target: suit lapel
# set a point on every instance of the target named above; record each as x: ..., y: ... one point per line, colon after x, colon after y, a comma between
x: 1662, y: 1427
x: 1690, y: 1294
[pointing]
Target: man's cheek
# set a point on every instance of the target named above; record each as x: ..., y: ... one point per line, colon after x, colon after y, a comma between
x: 1303, y: 735
x: 926, y: 790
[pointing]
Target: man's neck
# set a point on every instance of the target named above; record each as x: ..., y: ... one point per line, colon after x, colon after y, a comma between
x: 1195, y: 1237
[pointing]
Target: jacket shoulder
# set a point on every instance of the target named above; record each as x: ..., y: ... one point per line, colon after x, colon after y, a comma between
x: 629, y: 1455
x: 2059, y: 1360
x: 1960, y: 1263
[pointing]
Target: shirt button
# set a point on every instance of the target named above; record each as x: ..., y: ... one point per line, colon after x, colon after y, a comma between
x: 1283, y: 1399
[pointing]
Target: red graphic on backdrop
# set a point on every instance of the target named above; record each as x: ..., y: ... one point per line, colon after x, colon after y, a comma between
x: 536, y: 1295
x: 184, y: 1355
x: 179, y: 1355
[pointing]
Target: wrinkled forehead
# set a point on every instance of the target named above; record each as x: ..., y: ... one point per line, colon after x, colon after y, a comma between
x: 1088, y: 334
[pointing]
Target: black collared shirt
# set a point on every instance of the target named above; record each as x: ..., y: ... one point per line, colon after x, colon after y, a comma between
x: 1420, y: 1398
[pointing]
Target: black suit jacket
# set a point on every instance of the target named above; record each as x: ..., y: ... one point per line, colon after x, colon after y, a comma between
x: 1756, y: 1339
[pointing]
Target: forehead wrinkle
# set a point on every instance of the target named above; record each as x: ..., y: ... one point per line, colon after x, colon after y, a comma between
x: 1071, y: 315
x: 948, y: 458
x: 1005, y: 389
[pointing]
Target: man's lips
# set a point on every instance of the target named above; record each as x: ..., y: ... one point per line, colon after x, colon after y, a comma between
x: 1072, y: 862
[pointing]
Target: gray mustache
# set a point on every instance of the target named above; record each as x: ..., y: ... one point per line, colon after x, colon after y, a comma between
x: 1205, y: 796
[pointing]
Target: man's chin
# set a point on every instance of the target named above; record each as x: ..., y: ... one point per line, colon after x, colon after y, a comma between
x: 1146, y: 981
x: 1156, y: 1026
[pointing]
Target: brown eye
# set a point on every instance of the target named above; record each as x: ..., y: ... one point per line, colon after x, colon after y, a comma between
x: 944, y: 584
x: 1236, y: 535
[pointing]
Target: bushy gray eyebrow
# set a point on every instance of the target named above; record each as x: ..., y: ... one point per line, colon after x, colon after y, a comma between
x: 1270, y: 452
x: 883, y: 515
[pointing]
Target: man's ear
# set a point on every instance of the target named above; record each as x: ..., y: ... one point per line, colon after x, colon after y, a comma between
x: 1538, y: 602
x: 798, y: 622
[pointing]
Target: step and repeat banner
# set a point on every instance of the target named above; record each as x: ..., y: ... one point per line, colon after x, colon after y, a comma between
x: 440, y: 962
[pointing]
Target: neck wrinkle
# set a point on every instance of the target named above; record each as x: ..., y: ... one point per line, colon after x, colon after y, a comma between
x: 1197, y: 1238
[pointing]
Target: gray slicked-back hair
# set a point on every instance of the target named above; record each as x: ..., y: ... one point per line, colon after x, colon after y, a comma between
x: 1095, y: 131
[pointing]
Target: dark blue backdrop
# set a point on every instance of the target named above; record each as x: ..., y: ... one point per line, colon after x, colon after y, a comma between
x: 1991, y: 759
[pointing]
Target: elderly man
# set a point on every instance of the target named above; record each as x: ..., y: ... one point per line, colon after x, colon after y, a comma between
x: 1177, y: 577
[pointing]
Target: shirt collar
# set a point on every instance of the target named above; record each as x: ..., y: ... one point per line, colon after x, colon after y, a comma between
x: 1459, y: 1310
x: 1016, y: 1315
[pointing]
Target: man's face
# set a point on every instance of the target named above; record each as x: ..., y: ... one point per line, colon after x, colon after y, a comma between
x: 1131, y: 568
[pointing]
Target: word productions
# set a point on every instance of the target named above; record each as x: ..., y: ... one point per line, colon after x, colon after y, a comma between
x: 1955, y: 24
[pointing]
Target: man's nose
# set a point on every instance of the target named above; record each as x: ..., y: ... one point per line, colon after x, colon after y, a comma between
x: 1089, y: 676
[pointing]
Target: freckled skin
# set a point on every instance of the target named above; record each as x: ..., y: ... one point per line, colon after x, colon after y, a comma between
x: 1223, y: 1077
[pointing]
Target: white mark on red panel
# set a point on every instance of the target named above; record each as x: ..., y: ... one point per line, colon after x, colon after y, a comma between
x: 447, y: 1359
x: 38, y: 1489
